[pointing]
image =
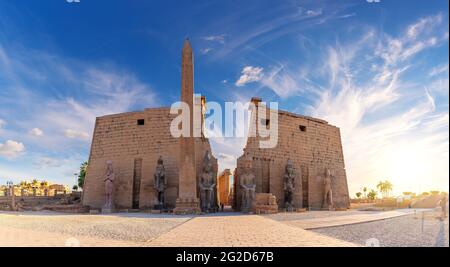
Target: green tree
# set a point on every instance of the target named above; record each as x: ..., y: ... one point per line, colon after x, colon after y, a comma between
x: 82, y: 174
x: 365, y: 192
x: 372, y: 194
x: 358, y: 194
x: 75, y: 188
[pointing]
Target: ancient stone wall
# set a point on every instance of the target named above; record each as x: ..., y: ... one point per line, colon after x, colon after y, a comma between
x: 313, y: 145
x: 134, y: 150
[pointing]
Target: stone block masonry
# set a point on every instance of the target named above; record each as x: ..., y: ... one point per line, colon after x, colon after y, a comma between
x: 122, y: 139
x: 134, y: 141
x: 312, y: 145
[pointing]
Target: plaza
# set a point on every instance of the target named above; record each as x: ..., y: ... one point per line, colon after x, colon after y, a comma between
x: 417, y: 227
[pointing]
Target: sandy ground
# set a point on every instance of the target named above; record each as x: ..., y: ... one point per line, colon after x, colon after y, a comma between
x: 53, y: 229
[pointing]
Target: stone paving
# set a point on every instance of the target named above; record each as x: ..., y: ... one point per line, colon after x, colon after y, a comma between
x: 215, y: 230
x: 15, y: 237
x: 420, y: 230
x: 128, y: 228
x: 322, y: 222
x: 242, y: 231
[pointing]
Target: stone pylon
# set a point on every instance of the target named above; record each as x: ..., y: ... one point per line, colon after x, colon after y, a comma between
x: 187, y: 201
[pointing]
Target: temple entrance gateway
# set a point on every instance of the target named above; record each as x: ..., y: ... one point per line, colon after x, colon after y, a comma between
x: 189, y: 182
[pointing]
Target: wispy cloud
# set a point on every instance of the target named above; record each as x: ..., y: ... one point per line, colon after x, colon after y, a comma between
x: 388, y: 132
x: 60, y: 97
x: 416, y: 29
x: 313, y: 13
x: 347, y: 16
x: 49, y: 162
x: 215, y: 38
x: 439, y: 70
x: 272, y: 23
x: 284, y: 82
x: 250, y: 74
x: 205, y: 51
x: 76, y: 134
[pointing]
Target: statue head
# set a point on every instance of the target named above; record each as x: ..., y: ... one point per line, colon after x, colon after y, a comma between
x: 109, y: 167
x: 207, y: 156
x: 248, y: 162
x: 289, y: 166
x: 160, y: 166
x: 207, y: 164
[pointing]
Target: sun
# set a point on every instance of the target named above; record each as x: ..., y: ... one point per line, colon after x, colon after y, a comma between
x: 408, y: 169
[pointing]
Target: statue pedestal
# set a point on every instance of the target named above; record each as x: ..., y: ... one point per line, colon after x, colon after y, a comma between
x: 290, y: 209
x: 328, y: 208
x: 187, y: 206
x: 158, y: 206
x: 265, y: 203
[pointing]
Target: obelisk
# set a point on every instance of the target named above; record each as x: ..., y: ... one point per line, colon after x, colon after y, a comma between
x: 187, y: 201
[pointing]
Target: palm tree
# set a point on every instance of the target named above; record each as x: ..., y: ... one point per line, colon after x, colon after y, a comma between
x: 388, y: 187
x: 365, y: 192
x: 385, y: 188
x: 380, y: 186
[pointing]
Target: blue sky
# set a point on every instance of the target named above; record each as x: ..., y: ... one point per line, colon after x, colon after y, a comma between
x: 378, y: 70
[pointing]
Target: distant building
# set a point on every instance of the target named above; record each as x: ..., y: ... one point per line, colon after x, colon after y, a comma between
x: 35, y: 188
x: 224, y: 188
